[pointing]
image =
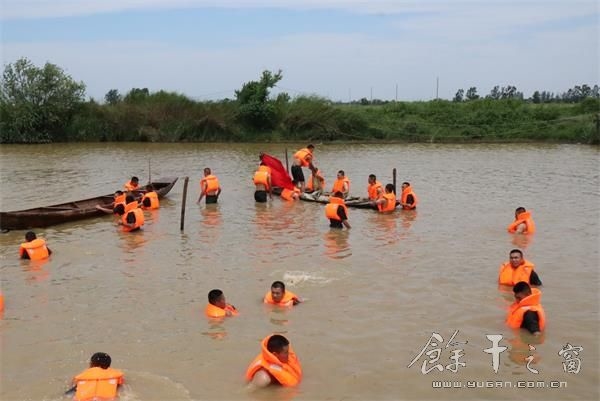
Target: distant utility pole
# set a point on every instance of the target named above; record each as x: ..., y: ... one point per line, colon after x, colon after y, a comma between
x: 437, y: 87
x: 349, y: 95
x: 396, y: 92
x: 371, y: 94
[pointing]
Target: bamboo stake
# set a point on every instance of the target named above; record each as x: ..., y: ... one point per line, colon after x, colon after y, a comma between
x: 185, y: 185
x: 394, y: 180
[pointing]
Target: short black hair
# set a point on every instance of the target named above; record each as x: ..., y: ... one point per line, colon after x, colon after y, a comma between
x: 101, y: 360
x: 134, y: 179
x: 278, y: 284
x: 310, y: 146
x: 119, y: 209
x: 390, y: 188
x: 520, y: 209
x: 276, y: 342
x: 406, y: 183
x: 341, y: 172
x: 118, y: 192
x: 129, y: 198
x: 522, y: 286
x: 338, y: 194
x: 516, y: 251
x: 30, y: 236
x: 149, y: 188
x: 372, y: 176
x: 213, y: 296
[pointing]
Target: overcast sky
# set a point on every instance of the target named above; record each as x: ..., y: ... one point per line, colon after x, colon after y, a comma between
x: 339, y: 49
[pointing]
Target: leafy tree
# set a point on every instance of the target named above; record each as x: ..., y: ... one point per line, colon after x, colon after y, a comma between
x: 136, y: 95
x: 472, y: 93
x: 255, y: 109
x: 495, y: 93
x: 459, y: 95
x: 37, y: 103
x: 536, y: 97
x: 112, y: 97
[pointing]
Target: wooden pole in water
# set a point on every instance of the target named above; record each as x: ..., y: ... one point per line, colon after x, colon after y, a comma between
x: 394, y: 180
x: 149, y: 173
x: 185, y: 184
x: 287, y: 166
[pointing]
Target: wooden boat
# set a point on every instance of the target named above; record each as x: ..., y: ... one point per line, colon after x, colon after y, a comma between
x: 71, y: 211
x: 354, y: 202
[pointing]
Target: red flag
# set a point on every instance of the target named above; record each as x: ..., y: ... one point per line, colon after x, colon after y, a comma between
x: 279, y: 176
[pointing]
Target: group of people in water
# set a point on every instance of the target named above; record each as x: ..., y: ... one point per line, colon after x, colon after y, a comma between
x: 277, y: 363
x: 526, y: 312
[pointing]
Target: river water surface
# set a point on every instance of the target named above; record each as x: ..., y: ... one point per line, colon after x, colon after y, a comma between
x: 373, y: 295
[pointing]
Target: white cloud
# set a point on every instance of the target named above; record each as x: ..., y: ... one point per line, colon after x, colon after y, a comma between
x: 329, y: 65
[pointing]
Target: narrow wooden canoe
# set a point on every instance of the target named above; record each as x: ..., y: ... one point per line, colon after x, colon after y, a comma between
x: 354, y: 202
x: 71, y: 211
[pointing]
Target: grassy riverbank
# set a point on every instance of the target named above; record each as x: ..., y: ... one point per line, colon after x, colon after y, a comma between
x: 39, y: 105
x: 174, y: 118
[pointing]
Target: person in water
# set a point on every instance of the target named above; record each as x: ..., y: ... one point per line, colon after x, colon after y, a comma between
x: 408, y: 199
x: 374, y: 188
x: 387, y: 201
x: 150, y: 199
x: 279, y: 296
x: 218, y: 306
x: 341, y: 184
x: 277, y: 364
x: 133, y: 184
x: 262, y: 182
x: 526, y: 312
x: 34, y: 248
x: 518, y: 269
x: 119, y: 199
x: 523, y: 223
x: 302, y: 158
x: 209, y: 187
x: 316, y: 182
x: 99, y: 381
x: 337, y: 211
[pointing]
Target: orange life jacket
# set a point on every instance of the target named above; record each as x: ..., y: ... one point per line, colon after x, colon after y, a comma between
x: 139, y: 218
x: 338, y: 185
x: 153, y: 198
x: 390, y: 205
x: 332, y: 207
x: 120, y: 199
x: 530, y: 303
x: 510, y: 276
x: 36, y: 249
x: 526, y: 218
x: 1, y: 302
x: 129, y: 186
x: 288, y: 299
x: 405, y: 192
x: 97, y: 384
x: 287, y: 374
x: 373, y: 190
x: 287, y: 193
x: 304, y: 157
x: 264, y: 168
x: 214, y: 311
x: 311, y: 179
x: 261, y: 177
x: 212, y: 184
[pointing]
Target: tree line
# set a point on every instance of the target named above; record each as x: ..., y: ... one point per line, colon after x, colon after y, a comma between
x: 44, y: 104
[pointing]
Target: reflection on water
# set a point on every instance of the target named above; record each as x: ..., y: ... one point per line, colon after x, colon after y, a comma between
x: 35, y: 270
x: 336, y: 243
x: 388, y: 283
